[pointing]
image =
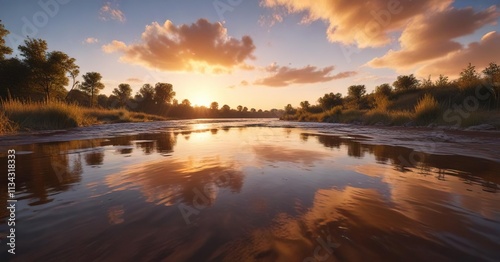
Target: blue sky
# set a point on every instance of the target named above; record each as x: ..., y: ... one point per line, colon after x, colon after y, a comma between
x: 299, y: 50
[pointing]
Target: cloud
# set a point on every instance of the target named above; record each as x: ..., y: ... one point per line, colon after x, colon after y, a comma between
x: 479, y: 54
x: 193, y: 47
x: 91, y: 40
x: 107, y: 12
x: 367, y: 24
x: 285, y: 76
x: 244, y: 83
x: 431, y: 37
x: 133, y: 80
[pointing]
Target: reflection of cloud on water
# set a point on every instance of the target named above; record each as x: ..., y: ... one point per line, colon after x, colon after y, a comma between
x: 166, y: 182
x: 410, y: 188
x: 273, y: 153
x: 115, y: 215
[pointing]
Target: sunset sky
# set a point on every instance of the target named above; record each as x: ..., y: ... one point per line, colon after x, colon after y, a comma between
x: 263, y: 54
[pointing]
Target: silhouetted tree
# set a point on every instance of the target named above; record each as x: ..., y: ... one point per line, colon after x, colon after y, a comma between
x: 214, y: 106
x: 305, y: 105
x: 225, y: 109
x: 492, y: 73
x: 442, y: 81
x: 123, y: 92
x: 384, y: 89
x: 186, y: 103
x: 405, y: 82
x: 92, y: 85
x: 328, y: 101
x: 239, y: 108
x: 469, y: 77
x: 164, y: 93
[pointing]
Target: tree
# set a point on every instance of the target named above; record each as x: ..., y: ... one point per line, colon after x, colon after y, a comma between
x: 4, y: 50
x: 239, y: 108
x: 356, y: 92
x: 289, y: 110
x: 164, y: 93
x: 123, y: 93
x: 245, y: 109
x: 405, y: 82
x: 328, y: 101
x: 468, y: 77
x: 225, y: 109
x: 383, y: 89
x: 492, y: 73
x: 47, y: 69
x: 305, y: 105
x: 186, y: 103
x: 253, y: 110
x: 214, y: 106
x: 442, y: 81
x: 92, y: 85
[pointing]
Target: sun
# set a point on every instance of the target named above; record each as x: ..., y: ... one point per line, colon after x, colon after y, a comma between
x: 200, y: 99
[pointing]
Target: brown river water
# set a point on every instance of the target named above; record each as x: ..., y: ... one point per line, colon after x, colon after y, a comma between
x: 253, y: 190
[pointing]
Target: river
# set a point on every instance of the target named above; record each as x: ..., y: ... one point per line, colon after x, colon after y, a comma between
x: 253, y: 190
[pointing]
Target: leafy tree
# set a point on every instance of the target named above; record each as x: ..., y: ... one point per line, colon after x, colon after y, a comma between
x: 245, y: 109
x: 123, y: 93
x: 253, y: 110
x: 14, y: 80
x: 356, y: 92
x: 102, y: 101
x: 492, y: 72
x: 239, y: 108
x: 383, y: 89
x: 305, y: 105
x: 186, y: 103
x: 92, y: 85
x: 330, y: 100
x: 164, y: 93
x: 225, y: 109
x: 4, y: 50
x: 442, y: 81
x: 214, y: 106
x: 289, y: 109
x: 469, y: 77
x: 405, y: 82
x: 426, y: 83
x: 47, y: 69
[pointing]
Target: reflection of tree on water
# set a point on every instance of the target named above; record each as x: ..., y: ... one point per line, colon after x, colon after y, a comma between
x: 94, y: 158
x: 48, y: 169
x: 405, y: 159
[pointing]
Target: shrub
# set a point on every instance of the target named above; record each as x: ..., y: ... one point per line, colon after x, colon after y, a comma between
x: 427, y: 109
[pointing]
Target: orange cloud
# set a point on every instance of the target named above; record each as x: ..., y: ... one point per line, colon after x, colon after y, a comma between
x: 284, y: 76
x: 107, y: 12
x: 432, y: 37
x: 367, y: 24
x: 192, y: 47
x: 479, y: 54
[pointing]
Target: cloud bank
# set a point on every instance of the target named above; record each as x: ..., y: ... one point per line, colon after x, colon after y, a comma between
x: 195, y: 47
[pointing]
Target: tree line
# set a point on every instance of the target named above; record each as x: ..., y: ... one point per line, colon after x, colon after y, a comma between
x: 358, y: 99
x: 42, y: 75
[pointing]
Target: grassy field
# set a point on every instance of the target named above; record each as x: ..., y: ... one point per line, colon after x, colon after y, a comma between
x: 26, y: 116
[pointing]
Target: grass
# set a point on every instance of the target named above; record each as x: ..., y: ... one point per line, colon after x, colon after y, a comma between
x: 16, y: 115
x: 427, y: 110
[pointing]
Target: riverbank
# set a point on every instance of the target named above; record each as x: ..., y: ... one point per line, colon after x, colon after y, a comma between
x: 17, y: 116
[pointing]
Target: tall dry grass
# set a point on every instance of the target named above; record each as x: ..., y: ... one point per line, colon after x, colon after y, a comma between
x: 19, y: 115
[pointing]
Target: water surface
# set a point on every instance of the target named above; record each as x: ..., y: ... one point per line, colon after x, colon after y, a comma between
x: 253, y: 191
